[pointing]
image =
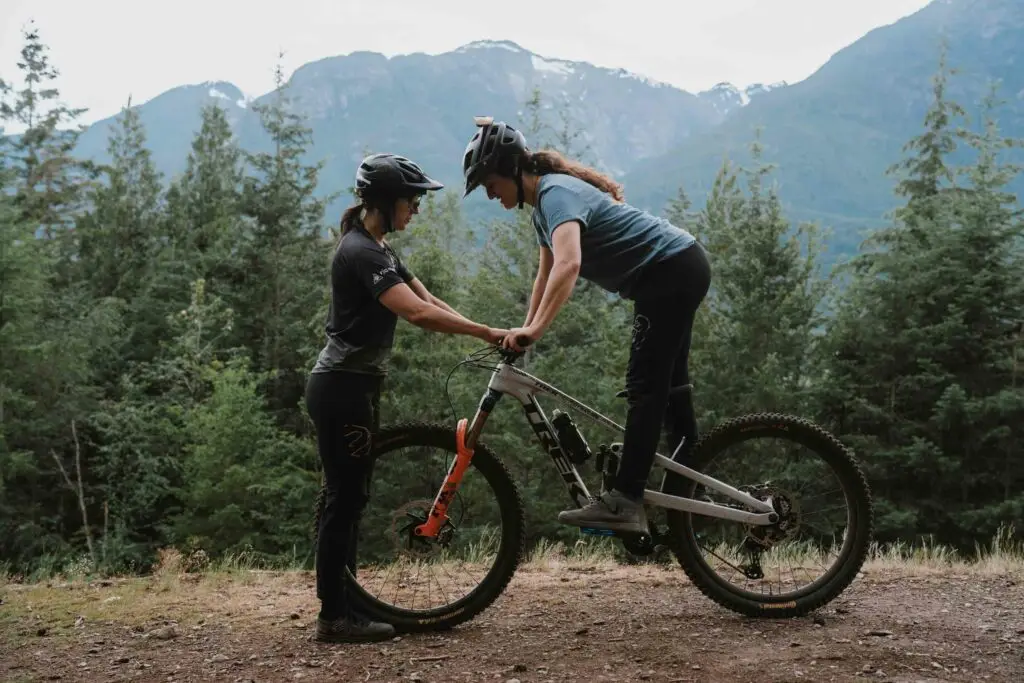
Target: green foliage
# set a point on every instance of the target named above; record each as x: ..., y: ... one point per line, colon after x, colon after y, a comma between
x: 154, y: 357
x: 755, y: 336
x: 924, y: 376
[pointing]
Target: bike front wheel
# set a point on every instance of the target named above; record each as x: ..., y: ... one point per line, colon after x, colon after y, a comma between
x: 821, y: 540
x: 420, y: 584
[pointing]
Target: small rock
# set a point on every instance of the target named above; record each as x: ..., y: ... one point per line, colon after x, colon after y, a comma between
x: 121, y: 660
x: 518, y: 668
x: 164, y: 633
x: 43, y: 631
x: 294, y: 615
x: 819, y: 620
x: 695, y: 667
x: 219, y: 657
x: 880, y: 673
x: 415, y: 676
x: 512, y: 680
x: 879, y: 632
x: 582, y: 631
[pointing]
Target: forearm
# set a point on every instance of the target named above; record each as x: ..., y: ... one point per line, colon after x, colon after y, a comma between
x: 539, y: 284
x: 440, y: 304
x: 431, y: 317
x: 559, y: 286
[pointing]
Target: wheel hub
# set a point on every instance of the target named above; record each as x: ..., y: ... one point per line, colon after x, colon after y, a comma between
x: 404, y: 521
x: 788, y: 510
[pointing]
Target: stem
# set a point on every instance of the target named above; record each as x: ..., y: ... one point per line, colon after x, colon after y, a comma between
x: 79, y: 491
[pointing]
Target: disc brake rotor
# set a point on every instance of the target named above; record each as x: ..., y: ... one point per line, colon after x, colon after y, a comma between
x: 788, y: 509
x: 404, y: 521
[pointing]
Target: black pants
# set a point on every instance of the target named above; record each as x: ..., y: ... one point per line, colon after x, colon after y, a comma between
x: 345, y: 408
x: 665, y: 303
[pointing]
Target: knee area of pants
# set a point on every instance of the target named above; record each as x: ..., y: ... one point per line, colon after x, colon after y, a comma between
x: 645, y: 399
x: 343, y: 502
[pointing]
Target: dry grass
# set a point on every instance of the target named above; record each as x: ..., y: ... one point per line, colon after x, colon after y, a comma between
x: 186, y: 592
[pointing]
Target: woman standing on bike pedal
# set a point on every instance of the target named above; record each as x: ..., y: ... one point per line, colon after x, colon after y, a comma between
x: 370, y: 288
x: 585, y: 229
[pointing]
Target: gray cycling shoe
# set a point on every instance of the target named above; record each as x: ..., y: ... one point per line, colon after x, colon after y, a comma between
x: 613, y: 511
x: 352, y: 629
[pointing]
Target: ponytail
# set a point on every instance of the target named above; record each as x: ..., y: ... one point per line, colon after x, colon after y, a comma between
x: 352, y: 218
x: 549, y: 161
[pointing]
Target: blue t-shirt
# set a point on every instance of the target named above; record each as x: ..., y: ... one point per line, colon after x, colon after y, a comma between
x: 616, y: 240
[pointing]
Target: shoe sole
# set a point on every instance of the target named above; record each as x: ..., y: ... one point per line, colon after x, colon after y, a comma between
x: 609, y: 526
x: 327, y: 638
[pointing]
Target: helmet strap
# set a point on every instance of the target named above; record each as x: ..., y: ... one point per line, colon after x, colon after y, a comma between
x: 521, y: 194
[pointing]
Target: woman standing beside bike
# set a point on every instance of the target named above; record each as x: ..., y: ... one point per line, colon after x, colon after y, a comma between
x: 370, y: 288
x: 584, y: 229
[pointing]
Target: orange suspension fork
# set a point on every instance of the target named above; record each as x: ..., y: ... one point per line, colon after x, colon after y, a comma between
x: 465, y: 440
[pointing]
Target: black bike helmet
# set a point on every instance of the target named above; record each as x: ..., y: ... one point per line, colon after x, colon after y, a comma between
x: 392, y: 176
x: 494, y: 147
x: 383, y: 178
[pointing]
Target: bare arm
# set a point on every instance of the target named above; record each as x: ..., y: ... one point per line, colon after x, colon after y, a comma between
x: 539, y: 283
x: 565, y: 268
x: 421, y: 291
x: 405, y: 303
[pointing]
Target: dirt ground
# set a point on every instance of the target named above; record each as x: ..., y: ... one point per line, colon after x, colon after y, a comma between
x: 560, y: 623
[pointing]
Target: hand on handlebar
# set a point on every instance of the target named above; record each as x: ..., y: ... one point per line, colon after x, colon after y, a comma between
x: 519, y: 338
x: 495, y: 335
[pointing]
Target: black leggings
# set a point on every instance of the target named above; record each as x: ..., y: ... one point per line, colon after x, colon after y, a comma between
x: 665, y: 303
x: 345, y: 408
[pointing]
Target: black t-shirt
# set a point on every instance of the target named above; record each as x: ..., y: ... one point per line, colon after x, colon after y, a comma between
x: 360, y: 329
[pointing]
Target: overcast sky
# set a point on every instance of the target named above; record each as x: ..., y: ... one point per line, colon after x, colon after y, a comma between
x: 107, y: 50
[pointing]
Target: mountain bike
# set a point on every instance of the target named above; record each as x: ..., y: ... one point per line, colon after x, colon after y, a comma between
x: 427, y: 477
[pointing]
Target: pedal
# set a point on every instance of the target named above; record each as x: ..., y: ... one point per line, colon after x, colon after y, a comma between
x: 597, y: 532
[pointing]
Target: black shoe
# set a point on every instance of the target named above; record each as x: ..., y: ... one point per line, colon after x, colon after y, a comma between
x: 352, y: 629
x: 613, y: 511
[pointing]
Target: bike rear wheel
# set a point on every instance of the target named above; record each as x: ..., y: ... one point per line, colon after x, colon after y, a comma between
x: 715, y: 552
x: 419, y: 584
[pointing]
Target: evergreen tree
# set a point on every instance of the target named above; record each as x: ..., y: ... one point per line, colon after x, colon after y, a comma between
x: 923, y: 379
x: 282, y: 256
x: 119, y: 238
x: 71, y: 333
x: 754, y: 339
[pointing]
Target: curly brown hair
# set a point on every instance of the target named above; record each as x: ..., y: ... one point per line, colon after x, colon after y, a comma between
x: 547, y: 161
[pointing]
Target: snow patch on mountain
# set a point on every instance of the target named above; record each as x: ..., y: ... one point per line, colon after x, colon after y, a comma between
x: 554, y: 66
x: 490, y: 44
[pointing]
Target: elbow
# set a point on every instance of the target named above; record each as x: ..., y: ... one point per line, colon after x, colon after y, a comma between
x: 418, y: 315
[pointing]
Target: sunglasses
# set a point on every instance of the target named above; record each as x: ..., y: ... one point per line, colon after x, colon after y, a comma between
x: 414, y: 201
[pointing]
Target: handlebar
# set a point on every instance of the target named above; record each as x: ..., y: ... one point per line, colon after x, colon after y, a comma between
x: 511, y: 355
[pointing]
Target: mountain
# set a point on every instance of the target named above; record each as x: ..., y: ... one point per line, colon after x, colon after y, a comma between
x: 834, y: 134
x: 422, y: 106
x: 726, y: 97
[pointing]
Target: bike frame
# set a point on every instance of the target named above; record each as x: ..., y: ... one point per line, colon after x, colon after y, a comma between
x: 524, y: 387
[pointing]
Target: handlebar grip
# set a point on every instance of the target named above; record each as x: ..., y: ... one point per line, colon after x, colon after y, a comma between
x: 523, y: 340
